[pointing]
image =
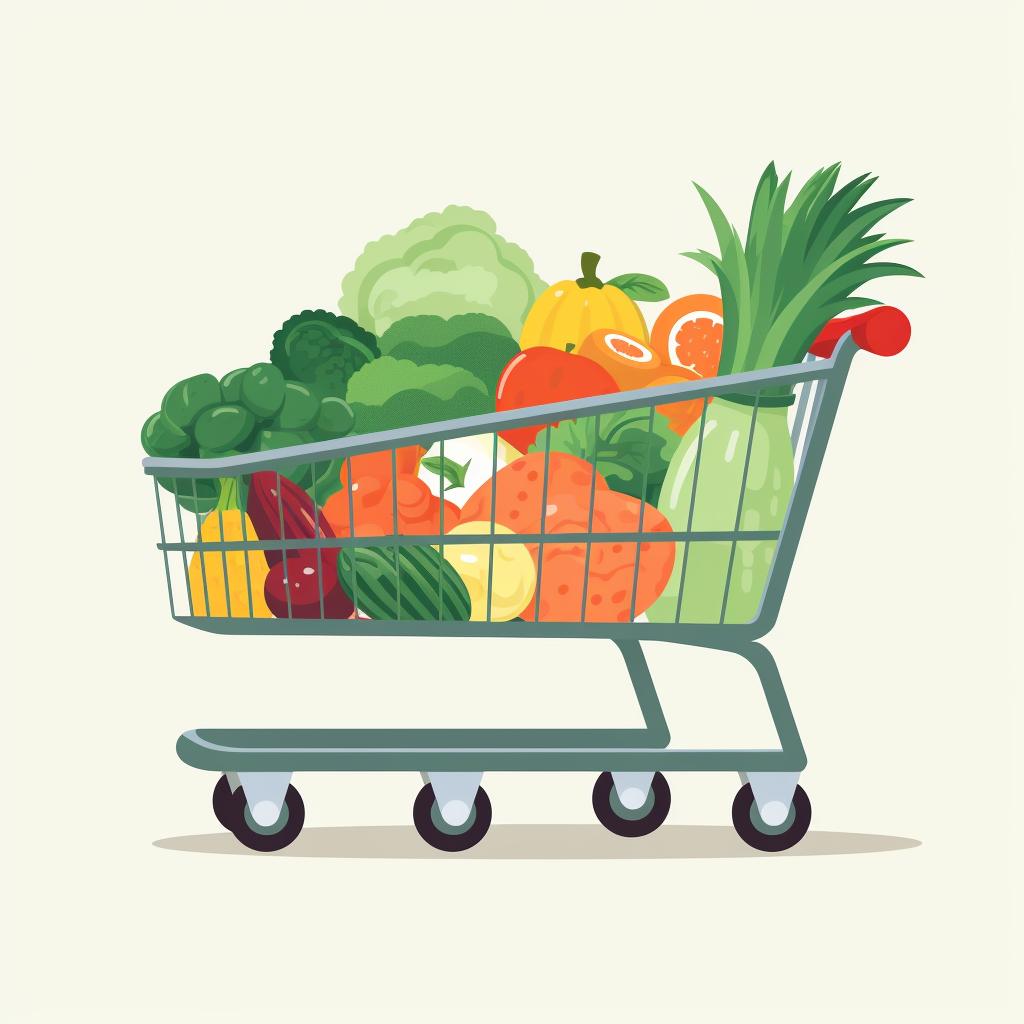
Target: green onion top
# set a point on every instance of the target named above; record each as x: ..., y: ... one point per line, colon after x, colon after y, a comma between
x: 800, y: 266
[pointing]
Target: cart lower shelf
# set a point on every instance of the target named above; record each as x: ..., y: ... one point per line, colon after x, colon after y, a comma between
x: 254, y: 797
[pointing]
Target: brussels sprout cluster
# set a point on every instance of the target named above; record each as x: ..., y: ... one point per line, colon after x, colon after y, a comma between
x: 251, y: 409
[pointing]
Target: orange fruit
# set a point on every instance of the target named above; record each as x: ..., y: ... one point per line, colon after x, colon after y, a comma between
x: 688, y: 334
x: 630, y: 361
x: 687, y: 337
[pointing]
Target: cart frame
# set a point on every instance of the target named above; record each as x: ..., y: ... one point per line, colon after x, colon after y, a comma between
x: 259, y: 762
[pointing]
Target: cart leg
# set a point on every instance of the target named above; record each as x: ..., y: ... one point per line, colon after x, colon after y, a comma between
x: 773, y: 794
x: 455, y: 793
x: 233, y: 780
x: 264, y: 794
x: 632, y: 788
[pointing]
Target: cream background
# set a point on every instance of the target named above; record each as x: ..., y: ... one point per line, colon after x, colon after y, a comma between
x: 180, y: 178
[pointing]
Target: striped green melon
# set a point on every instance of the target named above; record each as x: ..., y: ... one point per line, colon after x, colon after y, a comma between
x: 425, y: 586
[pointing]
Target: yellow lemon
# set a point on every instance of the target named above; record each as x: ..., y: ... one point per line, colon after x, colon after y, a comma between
x: 513, y: 577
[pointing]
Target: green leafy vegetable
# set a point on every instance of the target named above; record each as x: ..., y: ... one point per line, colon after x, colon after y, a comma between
x: 162, y: 437
x: 189, y: 399
x: 454, y: 473
x: 640, y: 287
x: 625, y: 448
x: 334, y: 419
x: 800, y: 266
x: 393, y: 392
x: 474, y: 341
x: 263, y: 390
x: 322, y: 350
x: 299, y: 409
x: 223, y: 428
x: 441, y: 264
x: 231, y: 385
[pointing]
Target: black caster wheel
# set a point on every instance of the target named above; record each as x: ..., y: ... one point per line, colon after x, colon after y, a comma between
x: 426, y: 816
x: 754, y: 832
x: 267, y: 839
x: 620, y: 819
x: 224, y: 804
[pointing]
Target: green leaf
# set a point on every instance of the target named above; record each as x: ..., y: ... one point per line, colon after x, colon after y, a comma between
x: 640, y: 287
x: 633, y: 449
x: 453, y: 472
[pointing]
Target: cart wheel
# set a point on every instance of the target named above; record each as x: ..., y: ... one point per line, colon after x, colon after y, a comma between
x: 771, y: 839
x: 267, y: 839
x: 621, y: 820
x: 426, y: 816
x: 224, y: 804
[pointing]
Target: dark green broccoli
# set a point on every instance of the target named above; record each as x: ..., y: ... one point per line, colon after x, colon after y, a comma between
x: 322, y: 350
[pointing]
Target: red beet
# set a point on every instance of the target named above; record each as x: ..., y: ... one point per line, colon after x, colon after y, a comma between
x: 296, y: 580
x: 294, y: 506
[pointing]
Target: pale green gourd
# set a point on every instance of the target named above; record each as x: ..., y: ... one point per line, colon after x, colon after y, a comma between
x: 769, y: 481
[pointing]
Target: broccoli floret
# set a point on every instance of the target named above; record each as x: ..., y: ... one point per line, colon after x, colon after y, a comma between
x: 322, y: 350
x: 397, y: 393
x: 474, y: 341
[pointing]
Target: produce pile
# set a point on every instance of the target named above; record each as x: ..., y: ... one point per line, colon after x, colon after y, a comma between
x: 446, y: 319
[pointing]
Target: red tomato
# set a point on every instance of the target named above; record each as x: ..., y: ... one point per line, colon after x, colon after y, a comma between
x: 541, y: 375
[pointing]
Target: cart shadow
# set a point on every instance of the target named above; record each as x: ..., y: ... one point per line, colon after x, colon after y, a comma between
x: 541, y: 842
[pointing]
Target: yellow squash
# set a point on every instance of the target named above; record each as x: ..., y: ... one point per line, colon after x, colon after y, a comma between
x: 511, y: 572
x: 206, y: 569
x: 568, y: 311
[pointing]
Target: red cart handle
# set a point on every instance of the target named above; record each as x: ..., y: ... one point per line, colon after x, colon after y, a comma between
x: 883, y: 330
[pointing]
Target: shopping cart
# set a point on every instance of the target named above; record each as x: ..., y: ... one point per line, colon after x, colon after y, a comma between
x: 254, y: 798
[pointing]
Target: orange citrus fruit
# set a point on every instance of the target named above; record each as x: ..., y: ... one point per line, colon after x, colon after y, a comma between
x: 687, y: 338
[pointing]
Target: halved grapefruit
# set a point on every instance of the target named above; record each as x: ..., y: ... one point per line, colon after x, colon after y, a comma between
x: 688, y: 334
x: 687, y: 338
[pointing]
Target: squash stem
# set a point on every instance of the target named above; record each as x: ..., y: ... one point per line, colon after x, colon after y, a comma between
x: 228, y: 499
x: 588, y: 264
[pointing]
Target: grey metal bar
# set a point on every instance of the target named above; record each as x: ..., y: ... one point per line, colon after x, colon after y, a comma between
x: 494, y: 506
x: 696, y: 634
x: 350, y: 465
x: 640, y: 524
x: 801, y: 407
x: 163, y: 541
x: 319, y: 549
x: 693, y: 503
x: 394, y: 527
x: 543, y: 522
x: 181, y: 538
x: 440, y: 546
x: 245, y: 536
x: 739, y: 504
x: 284, y: 553
x: 202, y: 556
x: 590, y: 519
x: 224, y: 564
x: 428, y: 433
x: 418, y: 540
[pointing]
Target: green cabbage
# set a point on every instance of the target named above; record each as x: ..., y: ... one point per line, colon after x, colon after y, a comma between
x: 474, y: 341
x: 391, y: 392
x: 442, y: 264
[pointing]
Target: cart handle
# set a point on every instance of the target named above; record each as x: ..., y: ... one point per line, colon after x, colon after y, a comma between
x: 883, y: 330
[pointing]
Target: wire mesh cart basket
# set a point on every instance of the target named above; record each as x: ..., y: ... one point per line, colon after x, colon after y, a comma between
x: 254, y: 798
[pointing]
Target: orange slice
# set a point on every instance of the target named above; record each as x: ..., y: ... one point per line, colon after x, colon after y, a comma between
x: 629, y: 360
